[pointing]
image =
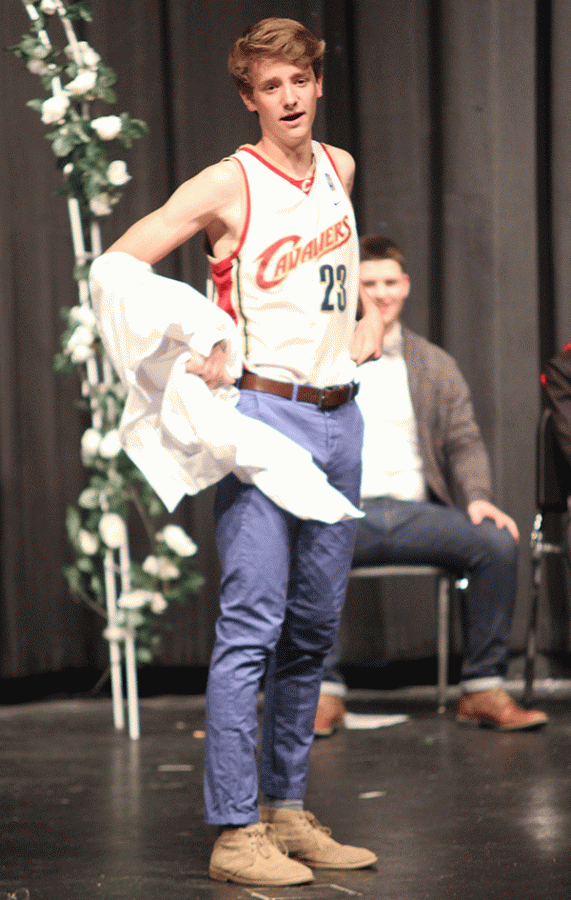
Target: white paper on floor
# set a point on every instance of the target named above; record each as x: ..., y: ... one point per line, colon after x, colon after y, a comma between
x: 358, y: 721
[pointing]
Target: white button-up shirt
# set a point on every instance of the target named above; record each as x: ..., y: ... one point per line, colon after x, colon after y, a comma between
x: 391, y: 462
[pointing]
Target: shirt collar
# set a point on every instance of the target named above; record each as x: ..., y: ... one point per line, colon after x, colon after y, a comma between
x: 392, y: 343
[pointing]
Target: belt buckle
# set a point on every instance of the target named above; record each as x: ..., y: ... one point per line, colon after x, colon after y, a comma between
x: 323, y: 394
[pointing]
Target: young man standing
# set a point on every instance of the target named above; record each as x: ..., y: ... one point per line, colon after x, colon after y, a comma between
x: 284, y: 258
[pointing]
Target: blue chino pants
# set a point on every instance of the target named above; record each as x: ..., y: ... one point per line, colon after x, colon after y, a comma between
x: 282, y: 591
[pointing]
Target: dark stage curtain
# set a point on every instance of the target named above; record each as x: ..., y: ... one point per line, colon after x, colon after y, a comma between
x: 456, y: 112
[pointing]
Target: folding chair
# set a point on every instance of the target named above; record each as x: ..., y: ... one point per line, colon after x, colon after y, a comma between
x: 552, y: 494
x: 445, y: 580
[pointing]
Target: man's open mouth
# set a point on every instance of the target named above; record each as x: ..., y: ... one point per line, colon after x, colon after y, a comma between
x: 292, y: 117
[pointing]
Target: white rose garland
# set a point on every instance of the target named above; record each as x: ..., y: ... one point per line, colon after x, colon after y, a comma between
x: 97, y: 527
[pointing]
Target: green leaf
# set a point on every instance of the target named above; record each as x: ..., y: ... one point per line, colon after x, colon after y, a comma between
x: 62, y: 364
x: 62, y: 145
x: 73, y: 578
x: 81, y: 273
x: 73, y: 524
x: 80, y: 10
x: 96, y: 585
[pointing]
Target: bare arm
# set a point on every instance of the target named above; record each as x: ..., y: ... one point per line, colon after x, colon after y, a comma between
x: 345, y: 165
x: 368, y: 338
x: 211, y: 198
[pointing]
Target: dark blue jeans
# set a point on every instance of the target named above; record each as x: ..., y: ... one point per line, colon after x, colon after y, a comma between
x: 403, y: 531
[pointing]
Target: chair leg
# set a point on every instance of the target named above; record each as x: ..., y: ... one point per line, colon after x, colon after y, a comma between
x: 532, y: 628
x: 443, y: 640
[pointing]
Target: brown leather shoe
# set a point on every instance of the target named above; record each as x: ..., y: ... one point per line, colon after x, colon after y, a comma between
x: 311, y: 843
x: 254, y: 855
x: 495, y: 708
x: 329, y: 715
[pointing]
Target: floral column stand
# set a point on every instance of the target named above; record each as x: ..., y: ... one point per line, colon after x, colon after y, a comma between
x: 112, y: 528
x: 131, y: 597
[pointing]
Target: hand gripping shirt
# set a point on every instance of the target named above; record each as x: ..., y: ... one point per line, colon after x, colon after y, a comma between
x: 291, y: 286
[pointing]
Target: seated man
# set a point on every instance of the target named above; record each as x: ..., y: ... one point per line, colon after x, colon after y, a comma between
x: 426, y: 494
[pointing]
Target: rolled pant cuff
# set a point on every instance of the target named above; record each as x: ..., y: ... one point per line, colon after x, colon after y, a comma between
x: 333, y: 688
x: 473, y: 685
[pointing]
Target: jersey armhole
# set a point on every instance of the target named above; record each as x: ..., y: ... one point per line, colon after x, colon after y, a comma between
x: 214, y: 260
x: 332, y: 161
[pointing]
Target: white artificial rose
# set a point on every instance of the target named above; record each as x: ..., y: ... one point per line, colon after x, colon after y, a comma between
x: 158, y: 604
x: 160, y: 567
x: 135, y: 599
x: 81, y: 354
x: 49, y: 7
x: 37, y: 67
x: 89, y: 498
x: 90, y: 441
x: 88, y: 542
x: 178, y: 540
x: 114, y: 633
x: 100, y: 205
x: 81, y: 337
x: 82, y: 315
x: 133, y: 618
x: 117, y: 173
x: 39, y: 51
x: 151, y: 566
x: 113, y: 530
x: 107, y: 127
x: 81, y: 84
x: 89, y: 57
x: 119, y: 390
x: 110, y: 445
x: 167, y: 569
x: 54, y: 108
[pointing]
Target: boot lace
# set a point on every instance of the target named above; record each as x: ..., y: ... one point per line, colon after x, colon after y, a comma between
x: 263, y: 836
x: 313, y: 822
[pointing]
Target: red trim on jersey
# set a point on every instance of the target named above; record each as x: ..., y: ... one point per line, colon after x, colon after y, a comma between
x: 222, y: 268
x: 297, y: 182
x: 222, y: 278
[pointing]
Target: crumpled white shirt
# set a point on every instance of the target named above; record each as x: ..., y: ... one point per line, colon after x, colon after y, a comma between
x: 182, y: 436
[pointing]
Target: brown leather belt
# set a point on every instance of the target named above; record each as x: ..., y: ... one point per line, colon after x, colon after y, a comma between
x: 324, y: 398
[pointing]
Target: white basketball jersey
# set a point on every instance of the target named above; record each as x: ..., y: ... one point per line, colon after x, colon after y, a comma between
x: 291, y: 286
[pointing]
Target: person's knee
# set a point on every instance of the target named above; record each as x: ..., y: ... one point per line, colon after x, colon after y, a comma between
x: 500, y: 545
x: 316, y: 639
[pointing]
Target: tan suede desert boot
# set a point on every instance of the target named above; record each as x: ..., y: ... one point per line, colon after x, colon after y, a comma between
x: 254, y: 855
x: 310, y: 842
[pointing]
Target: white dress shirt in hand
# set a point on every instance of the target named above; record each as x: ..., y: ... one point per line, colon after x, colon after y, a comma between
x: 182, y: 436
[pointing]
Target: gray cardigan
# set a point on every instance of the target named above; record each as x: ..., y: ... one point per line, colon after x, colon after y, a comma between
x: 455, y: 460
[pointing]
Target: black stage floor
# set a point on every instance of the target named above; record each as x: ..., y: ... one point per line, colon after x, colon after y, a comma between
x: 453, y: 813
